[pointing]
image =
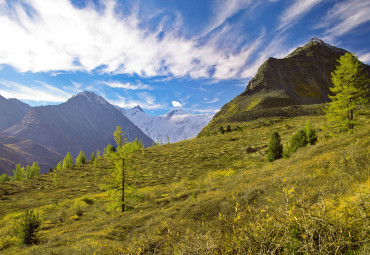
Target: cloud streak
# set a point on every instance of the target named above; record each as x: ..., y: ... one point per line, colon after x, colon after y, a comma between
x: 58, y: 36
x: 295, y: 12
x: 344, y: 17
x: 127, y: 85
x: 42, y: 92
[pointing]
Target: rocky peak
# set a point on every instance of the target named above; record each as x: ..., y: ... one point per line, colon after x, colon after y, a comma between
x: 90, y: 97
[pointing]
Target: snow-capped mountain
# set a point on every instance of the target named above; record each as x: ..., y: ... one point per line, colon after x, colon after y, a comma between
x: 174, y: 126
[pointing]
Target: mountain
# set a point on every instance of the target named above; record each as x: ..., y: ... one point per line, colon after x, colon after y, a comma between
x: 85, y: 122
x: 25, y: 152
x: 282, y: 86
x: 176, y: 125
x: 11, y: 112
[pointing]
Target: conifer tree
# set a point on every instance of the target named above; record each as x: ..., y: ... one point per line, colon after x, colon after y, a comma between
x: 310, y: 134
x: 19, y: 172
x: 350, y: 88
x: 98, y: 154
x: 92, y: 158
x: 34, y: 170
x: 59, y: 166
x: 68, y: 161
x: 30, y: 223
x: 28, y: 172
x: 275, y: 148
x: 81, y: 158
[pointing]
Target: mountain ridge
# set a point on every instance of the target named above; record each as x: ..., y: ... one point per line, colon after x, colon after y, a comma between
x: 84, y: 123
x: 286, y: 87
x: 174, y: 126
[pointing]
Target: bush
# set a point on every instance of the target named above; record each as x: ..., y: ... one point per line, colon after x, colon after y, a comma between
x: 4, y: 178
x: 30, y: 224
x: 275, y: 149
x: 297, y: 141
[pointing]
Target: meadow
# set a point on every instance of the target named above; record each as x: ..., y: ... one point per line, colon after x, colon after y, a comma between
x: 214, y: 194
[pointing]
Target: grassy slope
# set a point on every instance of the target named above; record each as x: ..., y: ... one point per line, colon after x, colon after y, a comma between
x: 212, y: 195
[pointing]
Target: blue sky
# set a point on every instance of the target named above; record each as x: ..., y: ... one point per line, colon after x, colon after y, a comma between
x: 161, y: 54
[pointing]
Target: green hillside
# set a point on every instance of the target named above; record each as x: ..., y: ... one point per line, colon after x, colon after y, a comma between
x: 210, y: 195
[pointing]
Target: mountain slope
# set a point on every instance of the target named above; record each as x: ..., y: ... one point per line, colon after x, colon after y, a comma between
x: 175, y: 126
x: 85, y: 122
x: 11, y: 112
x: 301, y: 78
x: 25, y: 152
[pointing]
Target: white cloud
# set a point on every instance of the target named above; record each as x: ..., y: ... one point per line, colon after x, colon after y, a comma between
x: 344, y: 17
x: 61, y: 37
x: 127, y: 85
x: 296, y: 11
x: 176, y: 104
x: 365, y: 57
x: 40, y: 92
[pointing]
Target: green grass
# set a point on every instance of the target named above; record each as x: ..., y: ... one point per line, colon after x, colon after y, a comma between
x: 210, y: 195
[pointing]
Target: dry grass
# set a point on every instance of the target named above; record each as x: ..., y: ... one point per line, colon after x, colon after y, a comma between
x: 210, y: 195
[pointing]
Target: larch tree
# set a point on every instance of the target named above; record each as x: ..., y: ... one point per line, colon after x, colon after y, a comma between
x: 350, y: 88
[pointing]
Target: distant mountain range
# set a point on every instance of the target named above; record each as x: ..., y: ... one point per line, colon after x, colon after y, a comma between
x: 282, y: 86
x: 14, y: 150
x: 11, y: 112
x: 175, y: 126
x: 85, y: 122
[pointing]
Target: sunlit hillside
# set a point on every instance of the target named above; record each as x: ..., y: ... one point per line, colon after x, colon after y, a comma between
x: 215, y: 194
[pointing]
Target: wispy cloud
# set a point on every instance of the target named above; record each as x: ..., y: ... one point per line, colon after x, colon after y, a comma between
x: 295, y: 12
x: 127, y: 85
x: 57, y: 36
x: 344, y: 17
x: 212, y: 101
x: 39, y: 92
x: 146, y: 101
x: 222, y: 11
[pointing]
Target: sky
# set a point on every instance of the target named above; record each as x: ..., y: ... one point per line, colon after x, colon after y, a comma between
x: 161, y: 54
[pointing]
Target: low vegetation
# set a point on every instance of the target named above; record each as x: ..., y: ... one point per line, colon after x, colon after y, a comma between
x: 211, y: 195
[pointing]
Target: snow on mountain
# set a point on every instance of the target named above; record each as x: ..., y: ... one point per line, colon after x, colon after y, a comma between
x: 174, y: 126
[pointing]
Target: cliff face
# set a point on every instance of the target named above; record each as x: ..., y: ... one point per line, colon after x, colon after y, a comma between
x: 280, y: 85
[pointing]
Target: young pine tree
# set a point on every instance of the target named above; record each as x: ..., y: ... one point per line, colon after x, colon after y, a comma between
x: 30, y: 223
x: 81, y: 158
x: 275, y: 148
x: 350, y: 88
x: 34, y: 170
x: 92, y: 157
x: 59, y: 166
x: 19, y: 173
x: 310, y: 134
x: 28, y: 172
x: 67, y: 161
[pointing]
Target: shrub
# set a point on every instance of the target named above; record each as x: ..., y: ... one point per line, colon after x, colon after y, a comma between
x: 4, y: 178
x: 275, y: 148
x: 30, y: 223
x: 310, y: 134
x: 297, y: 141
x: 222, y: 130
